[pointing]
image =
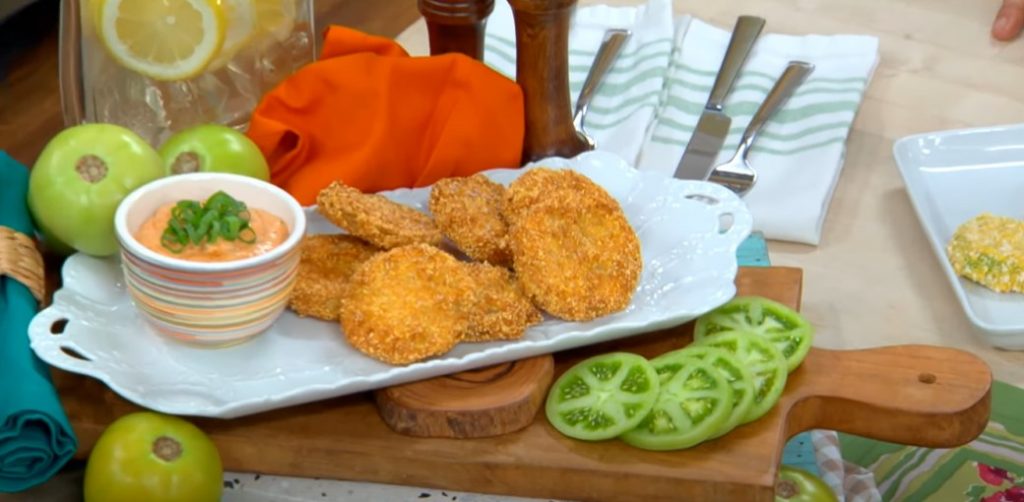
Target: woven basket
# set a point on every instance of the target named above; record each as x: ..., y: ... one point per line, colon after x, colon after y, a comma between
x: 21, y: 260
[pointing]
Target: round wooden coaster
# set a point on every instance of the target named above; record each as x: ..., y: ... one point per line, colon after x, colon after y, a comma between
x: 478, y: 403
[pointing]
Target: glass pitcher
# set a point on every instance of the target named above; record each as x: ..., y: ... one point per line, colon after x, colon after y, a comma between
x: 160, y: 66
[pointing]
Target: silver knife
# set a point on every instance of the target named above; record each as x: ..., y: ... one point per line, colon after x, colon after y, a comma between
x: 713, y: 126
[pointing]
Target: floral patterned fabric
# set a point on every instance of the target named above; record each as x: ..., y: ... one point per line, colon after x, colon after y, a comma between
x: 988, y: 469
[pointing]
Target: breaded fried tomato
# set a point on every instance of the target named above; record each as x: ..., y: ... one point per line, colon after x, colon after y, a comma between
x: 376, y: 219
x: 469, y: 210
x: 500, y: 310
x: 327, y: 263
x: 407, y: 304
x: 574, y: 252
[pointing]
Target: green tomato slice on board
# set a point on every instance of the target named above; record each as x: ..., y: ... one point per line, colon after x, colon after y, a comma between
x: 691, y: 407
x: 763, y: 360
x: 739, y: 377
x: 783, y: 326
x: 603, y: 396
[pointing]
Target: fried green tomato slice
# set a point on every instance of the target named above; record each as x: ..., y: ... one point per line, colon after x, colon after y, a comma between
x: 576, y: 260
x: 500, y: 310
x: 602, y: 397
x: 375, y: 218
x: 542, y: 184
x: 407, y: 304
x: 470, y: 211
x: 327, y: 263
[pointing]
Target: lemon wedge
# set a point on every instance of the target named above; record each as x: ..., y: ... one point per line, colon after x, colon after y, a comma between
x: 274, y: 17
x: 165, y: 39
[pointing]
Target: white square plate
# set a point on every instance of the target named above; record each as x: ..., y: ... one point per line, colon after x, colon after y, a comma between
x: 952, y: 176
x: 689, y: 258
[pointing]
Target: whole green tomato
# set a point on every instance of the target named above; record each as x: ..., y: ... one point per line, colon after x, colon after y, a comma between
x: 78, y: 181
x: 798, y: 485
x: 152, y: 457
x: 215, y: 148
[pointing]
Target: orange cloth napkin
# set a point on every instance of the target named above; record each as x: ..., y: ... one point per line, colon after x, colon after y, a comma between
x: 368, y: 114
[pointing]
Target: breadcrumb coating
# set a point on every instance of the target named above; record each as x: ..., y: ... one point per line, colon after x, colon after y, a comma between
x: 576, y: 256
x: 501, y: 311
x: 407, y: 304
x: 376, y: 219
x: 542, y: 184
x: 327, y: 263
x: 469, y: 211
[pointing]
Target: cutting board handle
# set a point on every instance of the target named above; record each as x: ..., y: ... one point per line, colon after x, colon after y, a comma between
x: 909, y: 394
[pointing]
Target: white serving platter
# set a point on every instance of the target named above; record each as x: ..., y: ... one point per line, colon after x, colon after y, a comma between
x: 689, y: 232
x: 952, y: 176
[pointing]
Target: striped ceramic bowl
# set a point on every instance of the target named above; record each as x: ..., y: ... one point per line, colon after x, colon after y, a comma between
x: 209, y: 303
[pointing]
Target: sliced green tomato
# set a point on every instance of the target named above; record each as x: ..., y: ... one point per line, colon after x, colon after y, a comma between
x: 763, y: 360
x: 785, y: 327
x: 691, y: 407
x: 738, y: 376
x: 602, y: 397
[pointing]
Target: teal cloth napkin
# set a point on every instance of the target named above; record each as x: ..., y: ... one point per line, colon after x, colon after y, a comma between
x: 36, y: 439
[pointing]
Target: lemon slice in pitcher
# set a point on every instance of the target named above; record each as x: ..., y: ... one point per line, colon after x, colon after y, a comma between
x: 165, y: 39
x: 241, y: 23
x: 274, y: 17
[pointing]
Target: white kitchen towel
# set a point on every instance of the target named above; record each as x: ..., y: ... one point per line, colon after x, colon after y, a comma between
x: 624, y: 107
x: 648, y: 106
x: 799, y: 153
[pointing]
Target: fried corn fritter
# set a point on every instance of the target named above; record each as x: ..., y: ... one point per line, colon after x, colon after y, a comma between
x: 376, y: 219
x: 576, y: 257
x: 501, y: 311
x: 469, y: 211
x: 407, y: 304
x: 327, y: 263
x: 543, y: 184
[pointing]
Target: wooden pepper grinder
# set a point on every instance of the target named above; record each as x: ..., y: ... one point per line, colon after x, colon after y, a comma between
x: 456, y: 25
x: 542, y: 62
x: 542, y: 70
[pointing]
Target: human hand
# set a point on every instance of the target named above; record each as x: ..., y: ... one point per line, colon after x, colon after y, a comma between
x: 1009, y: 20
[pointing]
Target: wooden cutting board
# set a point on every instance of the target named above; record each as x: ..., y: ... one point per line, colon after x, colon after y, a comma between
x: 918, y: 395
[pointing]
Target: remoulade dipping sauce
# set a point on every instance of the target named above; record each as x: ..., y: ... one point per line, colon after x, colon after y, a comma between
x: 270, y: 232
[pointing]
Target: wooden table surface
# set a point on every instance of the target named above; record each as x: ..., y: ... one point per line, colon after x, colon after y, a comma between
x: 874, y: 280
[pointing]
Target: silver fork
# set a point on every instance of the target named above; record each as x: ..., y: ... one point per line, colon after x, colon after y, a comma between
x: 736, y: 174
x: 614, y: 39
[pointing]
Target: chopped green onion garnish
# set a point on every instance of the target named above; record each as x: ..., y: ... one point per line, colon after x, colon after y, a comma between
x: 220, y: 217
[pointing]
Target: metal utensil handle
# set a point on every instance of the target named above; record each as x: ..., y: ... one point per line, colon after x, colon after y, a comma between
x: 791, y: 78
x: 744, y: 34
x: 610, y: 47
